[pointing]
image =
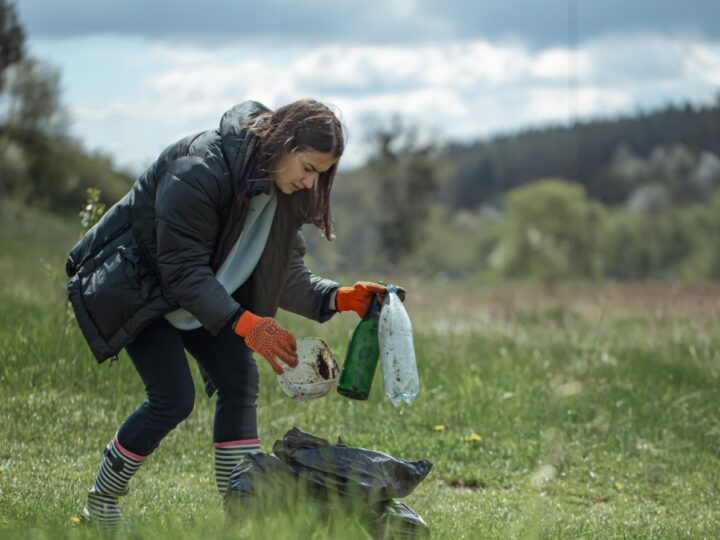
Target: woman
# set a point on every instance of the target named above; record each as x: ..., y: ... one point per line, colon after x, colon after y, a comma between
x: 198, y: 256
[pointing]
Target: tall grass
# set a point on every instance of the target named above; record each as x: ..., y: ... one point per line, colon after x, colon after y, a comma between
x: 542, y: 421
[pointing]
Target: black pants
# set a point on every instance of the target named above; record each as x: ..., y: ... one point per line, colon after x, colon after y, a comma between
x: 158, y: 353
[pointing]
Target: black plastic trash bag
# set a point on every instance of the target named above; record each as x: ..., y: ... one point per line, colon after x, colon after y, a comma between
x: 310, y: 469
x: 368, y: 474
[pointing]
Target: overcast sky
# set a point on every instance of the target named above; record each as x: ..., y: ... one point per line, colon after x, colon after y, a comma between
x: 138, y: 75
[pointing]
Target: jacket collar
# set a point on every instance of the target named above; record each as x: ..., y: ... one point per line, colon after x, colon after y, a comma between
x: 257, y: 186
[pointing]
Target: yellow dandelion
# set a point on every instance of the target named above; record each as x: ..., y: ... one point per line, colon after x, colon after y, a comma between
x: 75, y: 520
x: 618, y: 485
x: 473, y: 437
x: 439, y: 427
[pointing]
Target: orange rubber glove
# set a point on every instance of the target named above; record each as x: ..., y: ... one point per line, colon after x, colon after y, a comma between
x: 266, y: 337
x: 358, y: 297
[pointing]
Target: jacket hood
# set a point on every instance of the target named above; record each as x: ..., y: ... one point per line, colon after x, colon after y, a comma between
x: 234, y: 136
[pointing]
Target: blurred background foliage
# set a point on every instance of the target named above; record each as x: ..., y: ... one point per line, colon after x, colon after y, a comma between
x: 625, y: 198
x: 41, y: 165
x: 629, y: 198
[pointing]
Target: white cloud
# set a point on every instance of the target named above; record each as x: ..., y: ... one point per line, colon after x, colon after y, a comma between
x: 551, y: 104
x: 561, y: 63
x: 462, y: 89
x: 703, y: 64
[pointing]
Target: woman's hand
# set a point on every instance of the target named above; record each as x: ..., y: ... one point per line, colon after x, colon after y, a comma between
x: 358, y: 297
x: 266, y: 337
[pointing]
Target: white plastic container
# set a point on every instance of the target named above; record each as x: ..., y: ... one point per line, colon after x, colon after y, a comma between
x: 316, y: 373
x: 397, y: 351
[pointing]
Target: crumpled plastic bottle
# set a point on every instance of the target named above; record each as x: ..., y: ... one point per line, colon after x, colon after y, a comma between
x: 397, y: 351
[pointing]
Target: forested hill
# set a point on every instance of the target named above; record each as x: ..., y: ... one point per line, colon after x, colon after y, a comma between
x: 589, y: 153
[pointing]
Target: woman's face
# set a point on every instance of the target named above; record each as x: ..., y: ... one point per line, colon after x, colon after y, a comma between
x: 300, y: 169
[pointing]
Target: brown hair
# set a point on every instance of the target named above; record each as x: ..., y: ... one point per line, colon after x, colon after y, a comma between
x: 303, y: 124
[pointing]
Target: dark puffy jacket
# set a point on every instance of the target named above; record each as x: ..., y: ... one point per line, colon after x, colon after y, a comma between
x: 159, y: 247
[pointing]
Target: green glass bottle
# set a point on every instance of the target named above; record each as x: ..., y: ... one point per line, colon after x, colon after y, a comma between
x: 362, y: 356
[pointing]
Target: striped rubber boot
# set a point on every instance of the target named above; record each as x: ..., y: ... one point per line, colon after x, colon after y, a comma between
x: 229, y: 454
x: 117, y: 468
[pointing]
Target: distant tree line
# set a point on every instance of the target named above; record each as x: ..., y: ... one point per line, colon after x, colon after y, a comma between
x: 548, y: 230
x: 632, y: 198
x: 585, y: 153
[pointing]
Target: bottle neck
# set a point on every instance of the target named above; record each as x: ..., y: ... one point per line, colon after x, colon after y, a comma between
x: 373, y: 310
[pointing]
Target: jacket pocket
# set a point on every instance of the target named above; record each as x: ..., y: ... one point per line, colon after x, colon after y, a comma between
x: 116, y: 284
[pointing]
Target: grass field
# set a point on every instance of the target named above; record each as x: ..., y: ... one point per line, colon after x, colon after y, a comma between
x: 586, y: 411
